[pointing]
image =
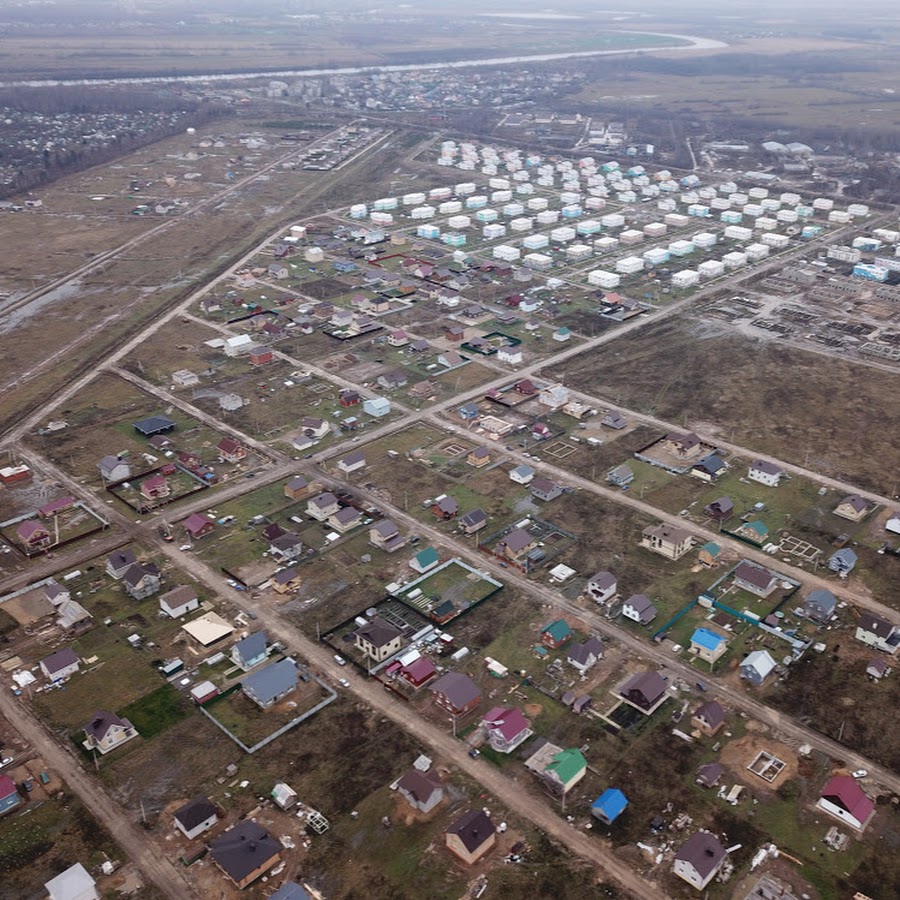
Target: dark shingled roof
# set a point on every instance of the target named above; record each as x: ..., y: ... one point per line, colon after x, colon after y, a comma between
x: 194, y: 812
x: 473, y: 829
x: 243, y: 849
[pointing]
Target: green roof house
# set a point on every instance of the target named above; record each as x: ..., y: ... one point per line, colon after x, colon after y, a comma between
x: 556, y: 634
x: 424, y: 560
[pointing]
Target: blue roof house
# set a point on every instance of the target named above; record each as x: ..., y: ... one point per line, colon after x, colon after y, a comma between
x: 267, y: 686
x: 377, y: 406
x: 250, y: 651
x: 843, y: 561
x: 707, y: 644
x: 609, y: 806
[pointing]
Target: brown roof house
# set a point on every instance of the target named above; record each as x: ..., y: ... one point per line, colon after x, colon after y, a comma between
x: 456, y: 693
x: 708, y: 718
x: 471, y: 836
x: 142, y: 580
x: 179, y: 601
x: 378, y: 639
x: 230, y: 450
x: 197, y: 526
x: 644, y: 690
x: 667, y: 540
x: 698, y: 859
x: 106, y: 731
x: 245, y: 852
x: 423, y: 791
x: 516, y: 543
x: 756, y: 579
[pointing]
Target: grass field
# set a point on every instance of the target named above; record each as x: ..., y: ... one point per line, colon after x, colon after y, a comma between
x: 157, y: 711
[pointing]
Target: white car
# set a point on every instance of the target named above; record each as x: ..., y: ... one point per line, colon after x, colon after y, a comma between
x: 343, y: 682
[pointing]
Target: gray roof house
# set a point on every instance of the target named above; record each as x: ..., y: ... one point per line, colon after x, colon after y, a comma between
x: 544, y: 489
x: 422, y: 790
x: 142, y: 580
x: 245, y: 852
x: 290, y: 890
x: 601, y: 587
x: 620, y: 475
x: 819, y: 605
x: 267, y: 686
x: 757, y: 666
x: 113, y: 469
x: 75, y: 883
x: 843, y: 561
x: 585, y: 656
x: 639, y: 609
x: 473, y: 521
x: 119, y: 562
x: 250, y: 651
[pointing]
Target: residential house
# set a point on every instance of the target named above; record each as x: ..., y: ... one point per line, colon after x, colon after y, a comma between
x: 756, y: 579
x: 418, y: 672
x: 471, y: 836
x: 34, y: 535
x: 755, y: 531
x: 230, y: 450
x: 450, y: 359
x: 757, y: 666
x: 75, y: 883
x: 560, y: 769
x: 516, y: 544
x: 893, y: 523
x: 142, y: 580
x: 393, y: 380
x: 473, y: 521
x: 620, y: 476
x: 709, y: 468
x: 277, y: 270
x: 352, y: 462
x: 819, y: 605
x: 707, y: 645
x: 9, y: 795
x: 112, y: 469
x: 720, y: 510
x: 238, y: 345
x: 522, y: 474
x: 56, y: 593
x: 877, y: 669
x: 602, y: 587
x: 454, y: 333
x: 302, y: 442
x: 290, y: 890
x: 843, y: 561
x: 667, y: 540
x: 764, y: 472
x: 556, y: 634
x: 614, y: 419
x: 544, y: 489
x: 378, y: 639
x: 708, y: 718
x: 468, y: 412
x: 286, y: 547
x: 314, y: 427
x: 709, y: 555
x: 179, y: 601
x: 106, y: 731
x: 639, y: 609
x: 609, y: 806
x: 322, y: 506
x: 119, y: 562
x: 512, y: 356
x: 297, y: 488
x: 349, y: 398
x: 272, y: 683
x: 423, y: 791
x: 844, y: 799
x: 71, y: 615
x: 386, y: 536
x: 444, y: 508
x: 852, y: 507
x: 644, y: 690
x: 506, y: 728
x: 60, y: 665
x: 419, y: 346
x: 197, y: 526
x: 456, y: 693
x: 585, y: 656
x: 245, y: 852
x: 554, y: 396
x: 699, y: 859
x: 876, y: 632
x: 250, y: 651
x: 155, y: 487
x: 398, y: 338
x: 683, y: 446
x: 424, y: 560
x: 708, y: 775
x: 346, y: 518
x: 541, y: 431
x: 195, y: 817
x: 478, y: 457
x: 525, y: 387
x: 287, y: 580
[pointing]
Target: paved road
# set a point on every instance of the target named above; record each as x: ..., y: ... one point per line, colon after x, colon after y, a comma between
x: 155, y: 867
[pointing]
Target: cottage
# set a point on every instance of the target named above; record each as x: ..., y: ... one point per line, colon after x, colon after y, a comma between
x: 707, y: 645
x: 844, y: 799
x: 393, y: 380
x: 179, y: 601
x: 106, y: 731
x: 444, y: 508
x: 708, y: 775
x: 756, y: 579
x: 423, y: 791
x: 709, y: 468
x: 245, y: 852
x: 155, y: 487
x: 195, y: 817
x: 541, y: 431
x: 296, y: 488
x: 852, y: 507
x: 473, y: 521
x: 346, y: 518
x: 478, y: 457
x: 544, y: 489
x: 639, y: 609
x: 349, y: 398
x: 322, y: 506
x: 709, y: 555
x: 516, y: 544
x: 877, y: 632
x: 250, y: 651
x: 287, y: 580
x: 468, y: 412
x: 471, y: 836
x: 585, y: 656
x: 450, y: 359
x: 286, y: 547
x: 719, y: 510
x: 75, y: 883
x: 699, y: 859
x: 614, y: 419
x: 352, y: 462
x: 60, y: 665
x: 386, y: 536
x: 556, y: 634
x: 609, y: 806
x: 230, y: 450
x: 197, y: 526
x: 644, y: 690
x: 683, y: 446
x: 398, y: 338
x: 602, y: 587
x: 843, y: 561
x: 33, y: 535
x: 667, y: 540
x: 559, y: 769
x: 119, y: 562
x: 378, y: 639
x: 456, y: 693
x: 142, y: 580
x: 208, y: 629
x: 620, y: 476
x: 418, y: 672
x: 757, y: 666
x: 764, y: 472
x: 521, y: 474
x: 877, y: 669
x: 506, y: 728
x: 272, y: 683
x: 113, y: 469
x: 708, y: 718
x: 56, y: 593
x: 424, y: 560
x: 819, y: 605
x: 314, y: 427
x: 754, y: 531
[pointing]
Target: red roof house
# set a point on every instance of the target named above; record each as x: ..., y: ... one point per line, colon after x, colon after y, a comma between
x: 843, y: 798
x: 197, y: 526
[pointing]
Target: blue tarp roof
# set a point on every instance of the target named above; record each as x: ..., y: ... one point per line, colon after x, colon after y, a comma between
x: 611, y: 803
x: 707, y: 639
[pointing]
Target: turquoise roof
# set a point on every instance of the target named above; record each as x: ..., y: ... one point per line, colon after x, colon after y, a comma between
x: 759, y: 527
x: 712, y: 548
x: 558, y: 630
x: 426, y: 557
